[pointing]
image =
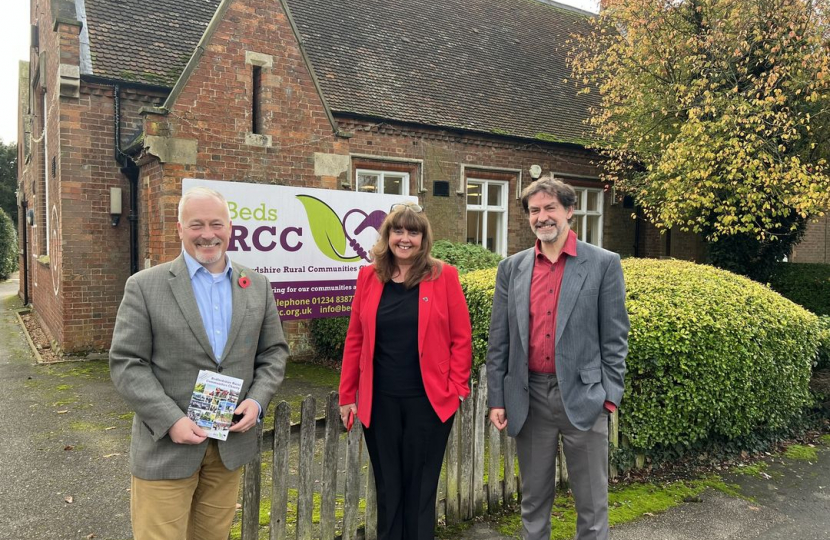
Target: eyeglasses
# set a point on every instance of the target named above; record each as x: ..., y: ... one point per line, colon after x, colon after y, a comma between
x: 415, y: 207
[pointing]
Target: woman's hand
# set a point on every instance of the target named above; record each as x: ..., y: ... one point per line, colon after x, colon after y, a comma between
x: 344, y: 413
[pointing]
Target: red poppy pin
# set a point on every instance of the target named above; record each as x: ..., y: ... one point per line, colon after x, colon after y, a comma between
x: 244, y: 281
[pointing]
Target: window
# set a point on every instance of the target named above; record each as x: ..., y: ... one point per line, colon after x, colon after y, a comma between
x: 587, y: 218
x: 487, y: 214
x: 256, y: 101
x: 382, y: 182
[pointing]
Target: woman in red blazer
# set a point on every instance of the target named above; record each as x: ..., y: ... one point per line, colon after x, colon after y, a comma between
x: 406, y: 367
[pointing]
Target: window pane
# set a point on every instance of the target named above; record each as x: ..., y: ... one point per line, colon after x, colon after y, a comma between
x: 494, y: 240
x: 592, y: 230
x: 474, y: 194
x: 494, y: 194
x: 475, y: 226
x: 367, y: 182
x: 593, y: 201
x: 392, y: 185
x: 576, y: 226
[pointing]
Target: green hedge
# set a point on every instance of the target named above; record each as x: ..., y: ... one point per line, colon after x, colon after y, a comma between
x: 328, y: 335
x: 8, y: 246
x: 805, y: 284
x: 712, y: 354
x: 823, y: 357
x: 465, y: 257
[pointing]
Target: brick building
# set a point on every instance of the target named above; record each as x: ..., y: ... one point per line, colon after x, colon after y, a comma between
x: 453, y: 101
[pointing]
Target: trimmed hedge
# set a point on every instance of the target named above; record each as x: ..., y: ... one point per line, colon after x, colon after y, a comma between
x: 465, y: 257
x: 8, y: 246
x: 328, y: 335
x: 805, y: 284
x: 823, y: 357
x: 712, y: 354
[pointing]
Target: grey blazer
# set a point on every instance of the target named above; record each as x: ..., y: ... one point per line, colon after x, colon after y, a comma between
x: 591, y: 336
x: 160, y: 344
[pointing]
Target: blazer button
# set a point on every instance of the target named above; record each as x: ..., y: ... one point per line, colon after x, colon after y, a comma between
x: 525, y: 388
x: 219, y: 369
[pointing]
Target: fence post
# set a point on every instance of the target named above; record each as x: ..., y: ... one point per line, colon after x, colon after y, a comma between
x: 451, y: 494
x: 465, y: 448
x: 328, y: 484
x: 479, y: 425
x: 279, y: 486
x: 252, y: 480
x: 494, y: 492
x: 352, y: 496
x: 509, y: 468
x: 613, y: 439
x: 305, y: 484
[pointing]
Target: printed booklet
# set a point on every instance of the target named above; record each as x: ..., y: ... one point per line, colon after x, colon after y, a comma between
x: 213, y: 402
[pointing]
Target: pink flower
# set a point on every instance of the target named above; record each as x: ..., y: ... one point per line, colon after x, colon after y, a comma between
x: 244, y: 281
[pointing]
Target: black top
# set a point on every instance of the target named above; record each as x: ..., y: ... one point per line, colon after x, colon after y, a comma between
x: 397, y: 365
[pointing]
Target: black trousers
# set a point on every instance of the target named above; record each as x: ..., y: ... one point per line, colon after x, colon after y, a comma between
x: 406, y: 443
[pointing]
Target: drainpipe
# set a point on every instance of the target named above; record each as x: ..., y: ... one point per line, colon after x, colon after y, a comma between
x: 24, y: 206
x: 130, y: 170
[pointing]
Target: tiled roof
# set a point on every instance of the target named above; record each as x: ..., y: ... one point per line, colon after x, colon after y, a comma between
x: 494, y: 66
x: 147, y: 41
x: 488, y: 65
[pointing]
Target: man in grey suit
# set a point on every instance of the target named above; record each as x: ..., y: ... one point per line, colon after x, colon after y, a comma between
x: 556, y: 360
x: 198, y: 312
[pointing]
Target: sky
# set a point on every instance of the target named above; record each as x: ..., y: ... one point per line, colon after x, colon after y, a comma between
x: 14, y: 29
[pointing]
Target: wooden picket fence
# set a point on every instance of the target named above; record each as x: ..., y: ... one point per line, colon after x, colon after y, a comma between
x: 466, y: 491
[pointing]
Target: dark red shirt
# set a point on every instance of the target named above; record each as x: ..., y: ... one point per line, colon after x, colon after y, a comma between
x: 544, y: 299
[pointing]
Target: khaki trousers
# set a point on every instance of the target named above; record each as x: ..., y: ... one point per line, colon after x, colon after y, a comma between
x: 200, y: 507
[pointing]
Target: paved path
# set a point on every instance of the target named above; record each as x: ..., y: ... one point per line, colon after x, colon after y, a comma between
x: 48, y: 455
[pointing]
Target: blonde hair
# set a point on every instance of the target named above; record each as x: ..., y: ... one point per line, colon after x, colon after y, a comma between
x: 424, y: 265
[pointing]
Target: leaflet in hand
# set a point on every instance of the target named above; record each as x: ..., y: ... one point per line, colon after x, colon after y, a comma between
x: 213, y: 402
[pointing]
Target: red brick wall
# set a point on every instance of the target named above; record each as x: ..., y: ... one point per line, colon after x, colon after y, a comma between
x: 815, y: 246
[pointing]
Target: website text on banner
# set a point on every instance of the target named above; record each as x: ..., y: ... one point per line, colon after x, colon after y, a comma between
x: 309, y: 242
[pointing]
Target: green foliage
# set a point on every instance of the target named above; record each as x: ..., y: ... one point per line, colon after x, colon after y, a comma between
x: 8, y: 246
x: 328, y: 337
x: 8, y: 180
x: 805, y: 284
x: 713, y: 116
x: 713, y: 356
x: 478, y: 288
x: 465, y: 257
x: 823, y: 357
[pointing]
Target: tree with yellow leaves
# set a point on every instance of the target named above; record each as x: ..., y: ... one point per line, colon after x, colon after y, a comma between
x: 714, y: 117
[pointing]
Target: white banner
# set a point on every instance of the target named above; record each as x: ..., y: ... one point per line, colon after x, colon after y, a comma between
x: 310, y: 243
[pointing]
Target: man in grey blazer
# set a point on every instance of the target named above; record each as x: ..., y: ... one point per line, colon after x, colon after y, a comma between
x: 198, y: 312
x: 556, y: 360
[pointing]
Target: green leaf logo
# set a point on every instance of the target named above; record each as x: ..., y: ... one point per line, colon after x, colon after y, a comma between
x: 326, y: 229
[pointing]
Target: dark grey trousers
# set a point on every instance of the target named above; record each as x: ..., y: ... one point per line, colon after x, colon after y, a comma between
x: 586, y: 454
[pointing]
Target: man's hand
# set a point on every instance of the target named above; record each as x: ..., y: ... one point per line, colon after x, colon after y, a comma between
x: 498, y: 418
x: 344, y: 413
x: 249, y: 411
x: 185, y: 431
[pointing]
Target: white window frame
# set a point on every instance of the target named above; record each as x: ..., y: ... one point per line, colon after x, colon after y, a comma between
x: 500, y: 238
x: 404, y: 176
x: 580, y: 212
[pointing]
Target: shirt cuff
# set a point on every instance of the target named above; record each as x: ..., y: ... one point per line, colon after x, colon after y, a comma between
x: 259, y: 416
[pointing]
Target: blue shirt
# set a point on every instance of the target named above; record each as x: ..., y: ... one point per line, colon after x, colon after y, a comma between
x: 215, y: 301
x: 213, y: 296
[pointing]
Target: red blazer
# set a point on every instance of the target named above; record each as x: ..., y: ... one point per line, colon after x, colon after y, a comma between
x: 444, y: 343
